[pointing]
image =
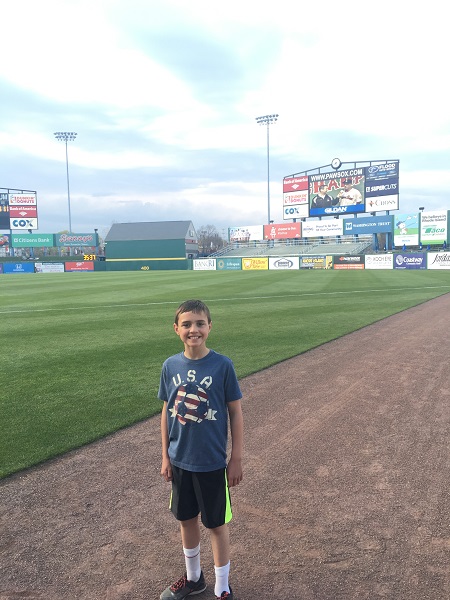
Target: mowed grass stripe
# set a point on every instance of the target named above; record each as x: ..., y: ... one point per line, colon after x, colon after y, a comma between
x: 91, y: 365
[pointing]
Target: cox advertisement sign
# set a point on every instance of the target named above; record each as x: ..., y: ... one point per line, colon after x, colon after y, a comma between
x: 23, y: 223
x: 412, y: 260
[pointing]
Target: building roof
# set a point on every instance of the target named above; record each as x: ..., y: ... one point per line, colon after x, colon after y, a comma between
x: 160, y: 230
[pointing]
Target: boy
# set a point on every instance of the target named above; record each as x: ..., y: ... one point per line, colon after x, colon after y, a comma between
x: 200, y: 391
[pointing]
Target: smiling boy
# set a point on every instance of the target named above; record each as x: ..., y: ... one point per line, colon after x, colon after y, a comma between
x: 200, y: 392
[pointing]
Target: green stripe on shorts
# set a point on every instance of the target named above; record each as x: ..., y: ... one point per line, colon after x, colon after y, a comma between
x: 228, y: 511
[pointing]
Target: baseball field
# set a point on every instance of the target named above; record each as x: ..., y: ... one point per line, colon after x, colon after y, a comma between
x: 82, y: 352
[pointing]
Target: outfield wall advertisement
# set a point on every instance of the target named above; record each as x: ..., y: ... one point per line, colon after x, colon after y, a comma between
x: 434, y: 227
x: 291, y: 262
x: 347, y: 261
x: 412, y: 260
x: 356, y: 190
x: 379, y: 261
x: 368, y: 225
x: 325, y: 228
x: 406, y: 230
x: 204, y: 264
x: 229, y: 264
x: 438, y: 260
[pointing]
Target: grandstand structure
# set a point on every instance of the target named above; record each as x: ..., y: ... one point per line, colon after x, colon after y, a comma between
x: 348, y: 245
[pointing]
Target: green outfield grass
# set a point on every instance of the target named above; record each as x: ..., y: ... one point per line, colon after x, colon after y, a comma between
x: 82, y: 352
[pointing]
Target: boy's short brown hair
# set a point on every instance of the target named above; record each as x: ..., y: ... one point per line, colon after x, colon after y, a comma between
x: 195, y: 306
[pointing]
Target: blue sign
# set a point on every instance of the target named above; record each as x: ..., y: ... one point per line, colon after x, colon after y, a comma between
x: 410, y: 260
x: 368, y: 225
x: 18, y: 267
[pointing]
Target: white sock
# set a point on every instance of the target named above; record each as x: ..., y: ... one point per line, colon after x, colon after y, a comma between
x: 222, y: 579
x: 192, y: 558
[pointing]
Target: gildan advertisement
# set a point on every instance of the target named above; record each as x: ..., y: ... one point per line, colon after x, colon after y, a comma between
x: 336, y: 193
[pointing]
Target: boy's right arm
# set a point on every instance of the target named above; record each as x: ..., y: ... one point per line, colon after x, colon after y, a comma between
x: 166, y: 468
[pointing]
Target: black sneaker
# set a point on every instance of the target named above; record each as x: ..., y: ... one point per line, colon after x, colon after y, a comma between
x: 226, y: 595
x: 182, y: 588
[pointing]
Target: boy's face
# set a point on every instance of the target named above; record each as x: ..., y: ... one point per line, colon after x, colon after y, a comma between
x: 193, y: 329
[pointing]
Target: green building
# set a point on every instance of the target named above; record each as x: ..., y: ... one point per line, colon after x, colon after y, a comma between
x: 145, y: 246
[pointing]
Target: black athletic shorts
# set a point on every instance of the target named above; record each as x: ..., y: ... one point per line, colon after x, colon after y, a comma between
x: 204, y: 493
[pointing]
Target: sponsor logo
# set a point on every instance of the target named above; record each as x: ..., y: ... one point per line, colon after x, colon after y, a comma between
x: 408, y: 260
x: 283, y: 263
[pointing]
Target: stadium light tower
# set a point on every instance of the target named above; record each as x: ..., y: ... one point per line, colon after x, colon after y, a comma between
x: 267, y: 120
x: 67, y: 136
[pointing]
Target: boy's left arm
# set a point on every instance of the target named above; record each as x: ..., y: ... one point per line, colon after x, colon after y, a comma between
x: 234, y: 468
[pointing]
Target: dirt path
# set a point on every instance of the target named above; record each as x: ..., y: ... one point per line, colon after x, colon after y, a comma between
x: 346, y: 493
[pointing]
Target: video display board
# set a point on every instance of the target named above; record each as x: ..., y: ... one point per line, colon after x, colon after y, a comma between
x: 342, y: 192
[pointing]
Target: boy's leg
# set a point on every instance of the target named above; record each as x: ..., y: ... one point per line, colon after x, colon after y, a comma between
x: 190, y: 536
x: 220, y: 542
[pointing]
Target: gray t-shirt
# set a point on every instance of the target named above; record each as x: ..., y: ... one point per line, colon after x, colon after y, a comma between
x: 197, y: 392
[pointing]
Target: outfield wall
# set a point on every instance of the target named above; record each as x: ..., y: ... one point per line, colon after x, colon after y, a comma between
x: 390, y: 261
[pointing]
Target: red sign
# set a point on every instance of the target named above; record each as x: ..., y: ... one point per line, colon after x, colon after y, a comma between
x: 295, y: 184
x: 282, y: 232
x: 80, y: 266
x: 23, y: 212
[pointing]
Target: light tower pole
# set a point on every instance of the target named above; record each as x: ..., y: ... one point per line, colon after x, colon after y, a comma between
x: 67, y: 136
x: 267, y: 120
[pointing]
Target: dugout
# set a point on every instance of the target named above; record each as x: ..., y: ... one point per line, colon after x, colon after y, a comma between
x: 160, y: 245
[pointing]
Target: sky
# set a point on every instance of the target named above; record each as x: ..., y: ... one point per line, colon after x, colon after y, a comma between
x: 164, y: 95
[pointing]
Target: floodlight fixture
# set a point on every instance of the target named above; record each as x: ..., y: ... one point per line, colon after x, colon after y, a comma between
x: 267, y: 120
x: 67, y: 136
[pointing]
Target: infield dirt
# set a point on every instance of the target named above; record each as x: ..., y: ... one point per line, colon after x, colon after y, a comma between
x: 346, y: 493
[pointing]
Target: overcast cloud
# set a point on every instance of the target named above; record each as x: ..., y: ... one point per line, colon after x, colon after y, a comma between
x: 163, y: 95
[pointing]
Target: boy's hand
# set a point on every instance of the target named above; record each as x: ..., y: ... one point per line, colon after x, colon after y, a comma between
x: 166, y: 469
x: 234, y: 472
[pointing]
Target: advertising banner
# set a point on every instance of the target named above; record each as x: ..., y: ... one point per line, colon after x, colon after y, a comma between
x: 18, y: 267
x: 335, y: 193
x: 379, y: 261
x: 349, y: 262
x: 284, y: 231
x: 325, y: 228
x: 79, y: 266
x: 368, y: 225
x: 433, y: 227
x: 49, y: 267
x: 26, y: 199
x: 343, y: 191
x: 412, y: 260
x: 316, y: 262
x: 381, y: 186
x: 4, y: 211
x: 23, y: 223
x: 32, y: 240
x: 246, y: 233
x: 228, y: 264
x: 295, y: 197
x: 406, y: 230
x: 22, y: 212
x: 204, y: 264
x: 291, y: 262
x: 438, y: 260
x: 76, y: 239
x: 255, y: 264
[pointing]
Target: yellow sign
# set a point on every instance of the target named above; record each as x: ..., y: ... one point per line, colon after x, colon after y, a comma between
x: 89, y: 257
x: 255, y: 264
